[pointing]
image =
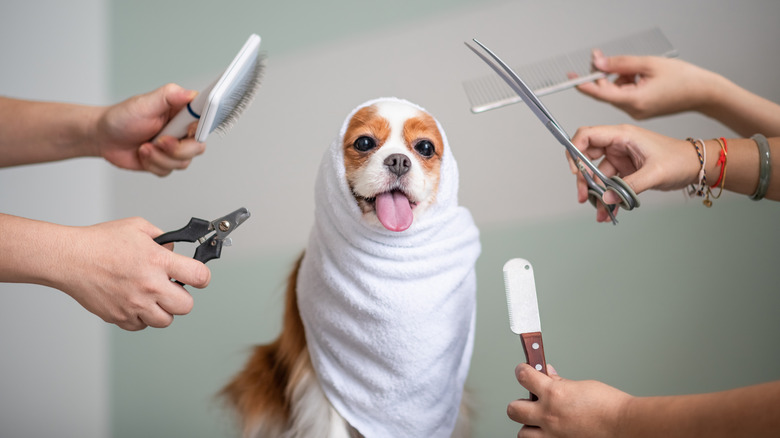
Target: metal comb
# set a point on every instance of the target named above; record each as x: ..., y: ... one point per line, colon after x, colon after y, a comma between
x: 551, y: 75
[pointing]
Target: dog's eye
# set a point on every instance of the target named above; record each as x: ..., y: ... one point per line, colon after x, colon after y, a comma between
x: 364, y: 144
x: 425, y: 148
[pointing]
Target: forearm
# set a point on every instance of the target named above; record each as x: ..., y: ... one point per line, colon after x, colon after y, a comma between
x: 34, y: 253
x: 743, y: 412
x: 744, y: 112
x: 35, y: 132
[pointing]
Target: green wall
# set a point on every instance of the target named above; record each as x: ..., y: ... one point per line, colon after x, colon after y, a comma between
x: 673, y: 301
x: 175, y: 39
x: 676, y: 299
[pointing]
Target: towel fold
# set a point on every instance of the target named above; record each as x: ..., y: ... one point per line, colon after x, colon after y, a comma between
x: 389, y: 316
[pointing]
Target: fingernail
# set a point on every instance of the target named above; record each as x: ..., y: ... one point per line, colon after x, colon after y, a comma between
x: 161, y: 141
x: 599, y: 60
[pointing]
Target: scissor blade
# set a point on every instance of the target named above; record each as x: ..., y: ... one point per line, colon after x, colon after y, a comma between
x: 515, y: 83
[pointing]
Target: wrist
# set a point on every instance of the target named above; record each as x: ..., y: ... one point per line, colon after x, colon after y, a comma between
x: 712, y: 166
x: 713, y: 92
x: 693, y: 156
x: 75, y: 136
x: 89, y: 140
x: 625, y: 414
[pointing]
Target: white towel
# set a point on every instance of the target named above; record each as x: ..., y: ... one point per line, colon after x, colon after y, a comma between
x: 389, y: 316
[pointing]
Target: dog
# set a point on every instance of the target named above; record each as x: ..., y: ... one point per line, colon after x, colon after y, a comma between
x: 378, y: 325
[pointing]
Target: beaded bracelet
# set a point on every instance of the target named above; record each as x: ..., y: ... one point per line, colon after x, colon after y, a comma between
x: 764, y: 169
x: 702, y: 153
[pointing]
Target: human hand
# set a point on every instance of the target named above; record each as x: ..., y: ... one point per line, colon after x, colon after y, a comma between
x: 566, y: 408
x: 649, y: 86
x: 124, y: 130
x: 116, y: 271
x: 642, y: 158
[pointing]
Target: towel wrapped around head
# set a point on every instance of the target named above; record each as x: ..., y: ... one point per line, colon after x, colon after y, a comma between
x: 389, y: 316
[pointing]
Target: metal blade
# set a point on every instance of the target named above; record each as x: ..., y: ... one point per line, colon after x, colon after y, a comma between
x: 521, y: 296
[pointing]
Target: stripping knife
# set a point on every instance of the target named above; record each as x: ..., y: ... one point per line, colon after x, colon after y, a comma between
x: 524, y: 311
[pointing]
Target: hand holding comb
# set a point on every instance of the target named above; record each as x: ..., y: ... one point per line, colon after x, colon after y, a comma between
x: 524, y: 311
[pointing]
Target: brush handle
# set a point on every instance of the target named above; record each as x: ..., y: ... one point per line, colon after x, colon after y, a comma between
x: 534, y: 352
x: 177, y: 126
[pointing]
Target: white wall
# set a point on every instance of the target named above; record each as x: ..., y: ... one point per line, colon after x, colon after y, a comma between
x: 53, y: 353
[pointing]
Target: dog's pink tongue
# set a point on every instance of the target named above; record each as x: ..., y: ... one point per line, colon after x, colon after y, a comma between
x: 394, y: 211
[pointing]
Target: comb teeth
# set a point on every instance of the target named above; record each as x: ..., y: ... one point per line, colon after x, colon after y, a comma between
x: 509, y: 300
x: 551, y: 75
x: 521, y: 296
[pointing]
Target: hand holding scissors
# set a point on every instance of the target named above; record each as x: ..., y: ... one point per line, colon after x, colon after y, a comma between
x: 628, y: 199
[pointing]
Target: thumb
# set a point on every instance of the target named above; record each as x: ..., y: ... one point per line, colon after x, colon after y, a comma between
x: 638, y: 181
x: 175, y: 96
x: 530, y: 379
x: 622, y: 65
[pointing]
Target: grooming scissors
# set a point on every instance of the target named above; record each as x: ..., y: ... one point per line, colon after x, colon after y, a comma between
x: 628, y: 199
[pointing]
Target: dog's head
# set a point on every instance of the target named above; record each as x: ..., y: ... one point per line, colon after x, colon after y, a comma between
x: 392, y: 159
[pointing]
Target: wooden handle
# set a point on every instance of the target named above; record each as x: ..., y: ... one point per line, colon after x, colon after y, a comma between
x: 534, y: 352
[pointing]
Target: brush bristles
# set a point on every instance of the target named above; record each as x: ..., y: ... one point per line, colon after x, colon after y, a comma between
x: 240, y: 98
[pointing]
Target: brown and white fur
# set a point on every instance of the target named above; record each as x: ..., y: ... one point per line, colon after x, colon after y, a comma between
x: 387, y: 147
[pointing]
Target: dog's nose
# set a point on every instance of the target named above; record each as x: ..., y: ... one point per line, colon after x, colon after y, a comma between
x: 399, y: 164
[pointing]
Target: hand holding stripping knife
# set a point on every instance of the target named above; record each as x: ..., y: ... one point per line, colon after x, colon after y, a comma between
x: 524, y: 311
x: 199, y: 229
x: 628, y: 199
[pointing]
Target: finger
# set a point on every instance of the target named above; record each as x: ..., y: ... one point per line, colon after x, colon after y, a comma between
x: 155, y: 316
x: 133, y: 325
x: 551, y: 371
x: 531, y: 379
x: 570, y: 160
x: 623, y: 65
x: 145, y: 152
x: 593, y: 89
x: 175, y: 300
x: 176, y: 149
x: 521, y: 410
x: 597, y: 59
x: 610, y: 197
x: 192, y: 129
x: 189, y: 271
x: 156, y: 161
x: 530, y: 432
x: 638, y: 181
x: 175, y: 97
x: 602, y: 215
x: 582, y: 189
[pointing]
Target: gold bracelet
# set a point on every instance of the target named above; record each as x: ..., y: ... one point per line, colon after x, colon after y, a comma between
x: 722, y: 160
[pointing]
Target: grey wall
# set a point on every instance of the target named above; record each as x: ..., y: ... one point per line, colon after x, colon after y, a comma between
x: 53, y: 354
